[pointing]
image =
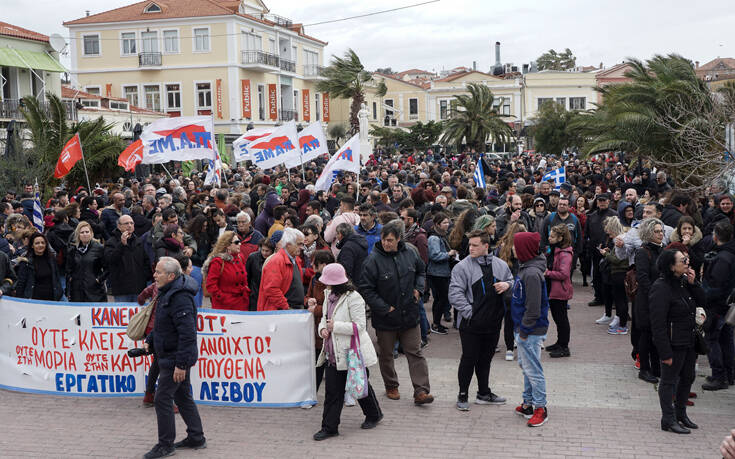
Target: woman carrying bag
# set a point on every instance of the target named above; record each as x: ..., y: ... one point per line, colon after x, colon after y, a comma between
x: 344, y: 314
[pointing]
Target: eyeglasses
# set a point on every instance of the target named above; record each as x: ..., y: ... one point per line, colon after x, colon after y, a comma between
x: 236, y: 241
x: 685, y: 260
x: 539, y: 205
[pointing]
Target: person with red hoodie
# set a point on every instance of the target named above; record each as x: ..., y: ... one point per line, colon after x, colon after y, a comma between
x: 558, y: 273
x: 281, y: 286
x: 225, y: 275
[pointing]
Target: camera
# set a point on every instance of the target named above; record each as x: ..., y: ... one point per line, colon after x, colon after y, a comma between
x: 137, y: 352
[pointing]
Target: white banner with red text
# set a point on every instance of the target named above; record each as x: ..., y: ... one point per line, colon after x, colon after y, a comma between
x: 253, y: 359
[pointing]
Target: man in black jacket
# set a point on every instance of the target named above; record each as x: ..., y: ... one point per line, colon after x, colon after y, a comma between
x: 718, y: 284
x: 392, y: 280
x: 130, y: 268
x: 174, y: 340
x: 513, y: 212
x: 7, y: 275
x: 594, y: 236
x: 352, y: 251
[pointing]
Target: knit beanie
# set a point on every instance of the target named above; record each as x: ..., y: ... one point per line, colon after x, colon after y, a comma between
x: 526, y: 245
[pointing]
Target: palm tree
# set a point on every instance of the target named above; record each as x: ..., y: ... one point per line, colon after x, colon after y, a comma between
x: 337, y: 132
x: 101, y: 150
x: 347, y: 79
x: 474, y: 119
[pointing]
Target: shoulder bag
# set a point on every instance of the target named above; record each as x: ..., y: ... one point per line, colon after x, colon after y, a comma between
x: 357, y: 381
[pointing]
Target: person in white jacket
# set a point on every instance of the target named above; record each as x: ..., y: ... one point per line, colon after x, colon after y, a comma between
x: 343, y: 313
x: 346, y: 214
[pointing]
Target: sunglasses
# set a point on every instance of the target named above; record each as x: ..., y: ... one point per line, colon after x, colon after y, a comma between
x: 236, y: 241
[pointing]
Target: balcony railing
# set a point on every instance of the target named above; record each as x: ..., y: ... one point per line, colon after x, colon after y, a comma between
x: 10, y: 109
x: 149, y: 59
x: 288, y: 66
x: 312, y: 71
x: 260, y: 57
x: 288, y: 115
x: 279, y: 20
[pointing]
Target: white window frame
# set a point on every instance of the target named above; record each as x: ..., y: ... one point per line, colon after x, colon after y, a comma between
x: 158, y: 41
x: 178, y: 41
x: 584, y: 103
x: 160, y: 95
x: 181, y: 98
x: 262, y: 105
x: 392, y: 121
x: 94, y: 86
x: 413, y: 116
x: 211, y: 95
x: 90, y: 103
x: 449, y: 109
x: 318, y: 111
x: 122, y: 43
x: 146, y: 9
x: 295, y: 54
x: 137, y: 91
x: 194, y: 39
x: 99, y: 44
x: 126, y: 105
x: 243, y: 36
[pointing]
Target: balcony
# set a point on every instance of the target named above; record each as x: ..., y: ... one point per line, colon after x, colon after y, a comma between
x: 288, y: 66
x: 278, y: 20
x: 10, y: 110
x: 288, y: 115
x: 314, y: 72
x: 258, y: 60
x: 149, y: 59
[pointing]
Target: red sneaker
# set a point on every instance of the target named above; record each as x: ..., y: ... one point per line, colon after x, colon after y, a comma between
x: 525, y: 411
x: 637, y: 363
x: 539, y: 418
x: 692, y: 395
x: 176, y: 409
x: 690, y: 403
x: 148, y: 399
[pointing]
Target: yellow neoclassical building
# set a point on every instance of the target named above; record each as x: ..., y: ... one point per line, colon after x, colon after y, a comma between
x: 231, y: 59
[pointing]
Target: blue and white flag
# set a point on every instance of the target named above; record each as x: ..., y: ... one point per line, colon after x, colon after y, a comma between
x: 479, y: 175
x: 214, y: 174
x: 559, y: 176
x: 37, y: 210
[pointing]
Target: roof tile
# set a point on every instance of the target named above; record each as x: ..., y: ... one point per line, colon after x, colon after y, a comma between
x: 10, y: 30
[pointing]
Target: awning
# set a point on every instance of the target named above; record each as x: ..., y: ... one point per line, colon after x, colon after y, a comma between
x: 36, y: 60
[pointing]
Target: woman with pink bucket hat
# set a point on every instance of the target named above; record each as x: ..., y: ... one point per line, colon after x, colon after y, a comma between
x: 344, y: 315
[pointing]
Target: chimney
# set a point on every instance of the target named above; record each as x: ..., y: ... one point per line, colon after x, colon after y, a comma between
x: 601, y: 67
x: 474, y: 65
x: 696, y: 64
x: 497, y: 53
x: 87, y: 11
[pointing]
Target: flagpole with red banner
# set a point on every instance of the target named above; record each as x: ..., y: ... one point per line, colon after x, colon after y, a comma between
x: 84, y: 163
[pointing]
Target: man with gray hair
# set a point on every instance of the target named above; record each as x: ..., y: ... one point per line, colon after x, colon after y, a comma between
x: 393, y: 278
x: 281, y: 286
x: 174, y: 342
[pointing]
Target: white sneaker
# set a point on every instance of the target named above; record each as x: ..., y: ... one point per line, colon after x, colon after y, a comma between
x: 605, y: 319
x: 509, y: 355
x: 615, y: 322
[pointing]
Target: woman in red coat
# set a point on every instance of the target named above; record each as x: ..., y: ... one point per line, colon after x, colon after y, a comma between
x: 226, y: 278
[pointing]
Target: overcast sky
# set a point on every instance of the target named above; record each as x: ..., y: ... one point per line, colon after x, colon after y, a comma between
x: 452, y: 33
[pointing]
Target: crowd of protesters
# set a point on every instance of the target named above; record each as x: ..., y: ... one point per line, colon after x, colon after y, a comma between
x: 410, y: 229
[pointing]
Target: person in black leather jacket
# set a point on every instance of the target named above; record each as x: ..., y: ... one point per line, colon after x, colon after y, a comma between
x: 673, y: 299
x: 86, y: 269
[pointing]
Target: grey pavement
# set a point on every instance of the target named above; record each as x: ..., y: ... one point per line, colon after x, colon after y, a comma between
x: 597, y: 408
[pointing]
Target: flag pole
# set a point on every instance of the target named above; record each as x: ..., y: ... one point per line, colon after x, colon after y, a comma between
x: 169, y: 173
x: 84, y: 162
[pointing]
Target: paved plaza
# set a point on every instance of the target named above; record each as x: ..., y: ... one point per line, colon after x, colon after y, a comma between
x: 597, y: 408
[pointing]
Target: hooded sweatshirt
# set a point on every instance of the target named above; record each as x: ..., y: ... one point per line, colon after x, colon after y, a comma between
x: 265, y: 219
x: 530, y: 302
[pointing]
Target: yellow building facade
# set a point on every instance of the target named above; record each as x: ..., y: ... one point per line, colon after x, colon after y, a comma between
x: 232, y: 60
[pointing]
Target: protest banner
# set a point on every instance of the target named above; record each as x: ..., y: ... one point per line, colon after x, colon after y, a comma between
x: 277, y: 147
x: 346, y: 159
x: 256, y: 359
x: 182, y: 138
x: 313, y: 143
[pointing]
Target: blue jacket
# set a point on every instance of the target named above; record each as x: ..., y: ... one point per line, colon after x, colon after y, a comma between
x: 174, y: 334
x: 530, y: 302
x: 371, y: 236
x: 438, y: 257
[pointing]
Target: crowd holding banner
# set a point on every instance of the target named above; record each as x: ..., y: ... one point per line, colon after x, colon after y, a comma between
x: 491, y: 243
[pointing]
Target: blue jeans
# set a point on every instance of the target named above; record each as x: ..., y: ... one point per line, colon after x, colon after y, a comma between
x: 721, y: 349
x: 131, y: 298
x: 529, y: 359
x: 196, y: 273
x: 423, y: 320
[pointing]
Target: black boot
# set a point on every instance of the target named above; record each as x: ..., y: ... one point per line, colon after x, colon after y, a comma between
x: 686, y: 422
x: 647, y: 377
x: 716, y: 384
x: 674, y: 427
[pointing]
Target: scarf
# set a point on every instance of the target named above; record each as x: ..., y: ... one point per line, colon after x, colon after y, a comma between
x: 82, y: 248
x: 412, y: 231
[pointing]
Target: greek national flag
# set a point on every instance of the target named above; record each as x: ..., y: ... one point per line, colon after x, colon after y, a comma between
x: 37, y: 210
x: 479, y: 175
x: 559, y: 176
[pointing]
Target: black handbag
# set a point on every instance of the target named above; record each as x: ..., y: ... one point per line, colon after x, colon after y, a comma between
x: 700, y: 344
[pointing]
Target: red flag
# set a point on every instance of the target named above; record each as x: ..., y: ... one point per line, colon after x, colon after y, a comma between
x: 70, y: 154
x: 131, y: 156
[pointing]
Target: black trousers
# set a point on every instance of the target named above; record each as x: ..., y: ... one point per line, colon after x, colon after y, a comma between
x: 169, y: 391
x: 508, y: 325
x: 596, y: 275
x: 614, y: 294
x: 561, y: 319
x: 477, y: 353
x: 150, y: 385
x: 678, y: 377
x: 648, y: 352
x: 440, y: 292
x: 334, y: 399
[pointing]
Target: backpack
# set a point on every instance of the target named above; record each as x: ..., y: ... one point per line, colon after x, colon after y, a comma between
x: 631, y: 281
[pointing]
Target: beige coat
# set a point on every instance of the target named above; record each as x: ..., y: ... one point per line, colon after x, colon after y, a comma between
x: 349, y: 308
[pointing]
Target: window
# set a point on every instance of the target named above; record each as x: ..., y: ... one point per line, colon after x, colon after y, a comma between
x: 131, y: 93
x: 153, y: 8
x: 93, y: 90
x: 577, y: 103
x: 150, y: 42
x: 128, y: 43
x: 389, y: 116
x: 261, y: 102
x: 173, y: 97
x: 443, y: 109
x: 251, y: 42
x: 118, y: 105
x: 91, y: 103
x: 201, y: 40
x: 272, y: 45
x: 171, y: 41
x: 294, y: 54
x: 204, y: 95
x: 562, y: 101
x: 543, y: 100
x: 318, y: 111
x: 375, y: 110
x: 91, y: 45
x: 311, y: 58
x: 502, y: 105
x: 413, y: 109
x: 152, y: 97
